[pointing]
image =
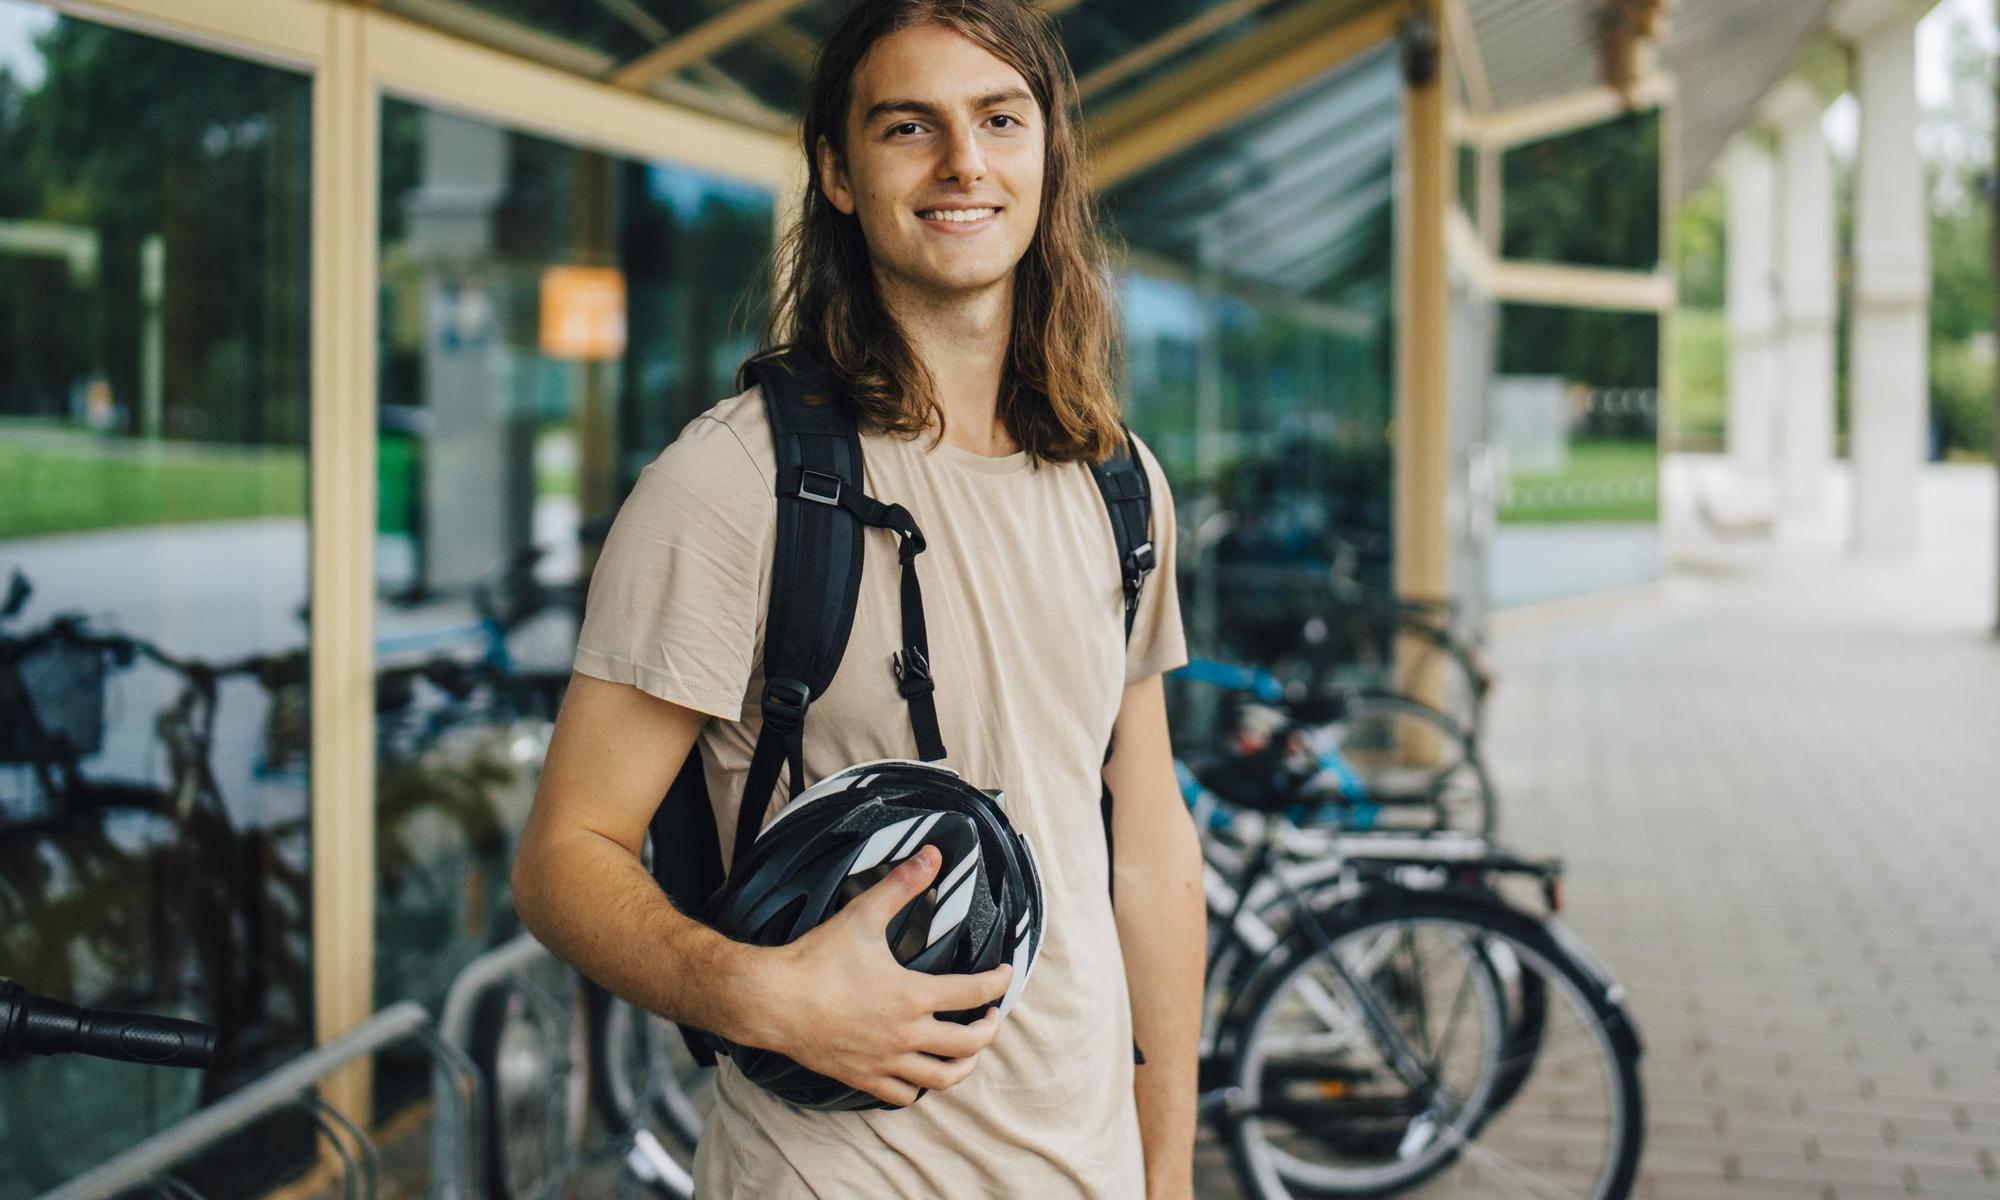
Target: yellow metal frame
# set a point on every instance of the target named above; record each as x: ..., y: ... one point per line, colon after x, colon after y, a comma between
x: 1422, y: 445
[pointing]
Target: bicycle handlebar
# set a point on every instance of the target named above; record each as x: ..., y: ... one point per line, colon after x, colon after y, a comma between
x: 31, y: 1024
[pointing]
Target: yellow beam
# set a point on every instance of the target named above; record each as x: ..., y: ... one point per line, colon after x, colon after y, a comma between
x: 285, y: 32
x: 1564, y: 286
x: 433, y: 68
x: 346, y: 155
x: 719, y: 32
x: 1465, y: 52
x: 1421, y: 439
x: 1172, y: 42
x: 1231, y: 82
x: 1547, y: 118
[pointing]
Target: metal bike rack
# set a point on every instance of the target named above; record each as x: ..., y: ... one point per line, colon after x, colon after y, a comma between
x: 454, y: 1131
x: 463, y: 1177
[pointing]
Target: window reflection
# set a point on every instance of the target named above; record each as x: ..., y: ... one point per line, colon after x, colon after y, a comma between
x: 551, y: 317
x: 1259, y: 331
x: 153, y: 412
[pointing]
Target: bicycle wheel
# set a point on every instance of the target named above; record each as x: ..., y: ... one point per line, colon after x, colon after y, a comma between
x: 528, y: 1053
x: 1327, y: 1102
x: 1416, y: 768
x: 1246, y: 952
x: 627, y: 1044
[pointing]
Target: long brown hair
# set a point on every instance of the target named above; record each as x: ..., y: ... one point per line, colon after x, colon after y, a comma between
x: 1056, y: 398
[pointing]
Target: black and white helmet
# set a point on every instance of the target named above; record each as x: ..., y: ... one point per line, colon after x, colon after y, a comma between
x: 842, y: 836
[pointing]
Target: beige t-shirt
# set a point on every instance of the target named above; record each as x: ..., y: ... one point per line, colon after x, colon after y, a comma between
x: 1025, y: 613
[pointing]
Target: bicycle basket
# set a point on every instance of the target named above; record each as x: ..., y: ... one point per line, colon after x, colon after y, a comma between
x: 52, y: 703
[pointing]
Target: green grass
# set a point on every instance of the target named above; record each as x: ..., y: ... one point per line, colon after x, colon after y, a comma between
x: 71, y: 484
x: 1699, y: 406
x: 1606, y: 480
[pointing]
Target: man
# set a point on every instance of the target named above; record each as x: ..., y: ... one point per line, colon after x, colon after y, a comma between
x: 946, y: 266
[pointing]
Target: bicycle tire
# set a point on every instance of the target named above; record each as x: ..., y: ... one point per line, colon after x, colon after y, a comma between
x: 623, y: 1050
x: 1325, y: 885
x: 532, y: 1133
x: 1461, y: 1157
x: 1454, y: 786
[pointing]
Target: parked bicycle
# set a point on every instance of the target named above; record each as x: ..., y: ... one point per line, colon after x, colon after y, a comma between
x: 1397, y: 1013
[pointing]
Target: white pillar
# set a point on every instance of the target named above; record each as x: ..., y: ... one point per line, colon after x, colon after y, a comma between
x: 1890, y: 368
x: 1750, y: 179
x: 1807, y: 300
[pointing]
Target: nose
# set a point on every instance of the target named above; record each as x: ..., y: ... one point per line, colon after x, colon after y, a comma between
x: 963, y: 161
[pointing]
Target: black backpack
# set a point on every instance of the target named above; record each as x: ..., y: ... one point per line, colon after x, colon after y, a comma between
x: 823, y: 516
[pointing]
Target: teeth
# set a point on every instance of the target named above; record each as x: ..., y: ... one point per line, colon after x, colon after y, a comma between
x: 958, y: 214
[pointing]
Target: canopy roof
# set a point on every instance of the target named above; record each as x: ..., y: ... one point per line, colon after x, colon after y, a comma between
x: 748, y: 59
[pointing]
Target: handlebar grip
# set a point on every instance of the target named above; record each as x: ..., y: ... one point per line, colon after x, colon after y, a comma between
x: 30, y: 1024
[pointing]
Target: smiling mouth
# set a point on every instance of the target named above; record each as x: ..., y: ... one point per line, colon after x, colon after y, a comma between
x: 957, y: 216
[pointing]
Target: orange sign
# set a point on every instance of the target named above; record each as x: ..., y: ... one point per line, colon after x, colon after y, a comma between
x: 583, y: 313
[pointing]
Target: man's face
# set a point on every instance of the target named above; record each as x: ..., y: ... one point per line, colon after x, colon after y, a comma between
x: 944, y: 162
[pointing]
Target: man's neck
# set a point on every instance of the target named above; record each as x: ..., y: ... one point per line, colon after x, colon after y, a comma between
x: 962, y: 340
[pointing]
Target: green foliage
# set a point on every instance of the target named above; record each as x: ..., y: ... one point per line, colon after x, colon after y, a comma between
x: 1700, y: 226
x: 1596, y: 349
x: 139, y: 142
x: 1699, y: 404
x: 1962, y: 388
x: 1591, y: 197
x: 1961, y: 271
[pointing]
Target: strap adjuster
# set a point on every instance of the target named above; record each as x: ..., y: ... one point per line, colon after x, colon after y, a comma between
x: 913, y: 673
x: 785, y: 701
x: 1139, y: 563
x: 829, y: 485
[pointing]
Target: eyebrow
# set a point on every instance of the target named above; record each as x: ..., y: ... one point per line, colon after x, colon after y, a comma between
x: 925, y: 108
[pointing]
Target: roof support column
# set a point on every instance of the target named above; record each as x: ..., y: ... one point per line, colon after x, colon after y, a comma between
x: 1807, y: 302
x: 1890, y: 397
x: 1755, y: 385
x: 1422, y: 447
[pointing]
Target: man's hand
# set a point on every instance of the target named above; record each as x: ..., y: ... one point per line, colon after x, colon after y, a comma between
x: 840, y: 1004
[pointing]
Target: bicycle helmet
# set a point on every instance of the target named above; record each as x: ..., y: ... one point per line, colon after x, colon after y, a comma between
x: 843, y: 835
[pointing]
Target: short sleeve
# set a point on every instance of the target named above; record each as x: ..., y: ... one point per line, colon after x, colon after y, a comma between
x: 1158, y: 642
x: 687, y: 559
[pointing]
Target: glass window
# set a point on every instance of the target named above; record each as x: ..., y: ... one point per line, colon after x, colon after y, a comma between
x: 1259, y: 333
x: 1590, y: 197
x: 551, y: 318
x: 154, y: 855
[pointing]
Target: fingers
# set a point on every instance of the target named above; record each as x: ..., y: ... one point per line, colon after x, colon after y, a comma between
x: 948, y: 1039
x: 893, y: 1091
x: 932, y: 1073
x: 957, y: 993
x: 882, y: 902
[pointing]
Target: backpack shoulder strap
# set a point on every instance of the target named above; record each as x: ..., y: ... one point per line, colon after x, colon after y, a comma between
x: 815, y: 584
x: 815, y: 566
x: 1128, y: 498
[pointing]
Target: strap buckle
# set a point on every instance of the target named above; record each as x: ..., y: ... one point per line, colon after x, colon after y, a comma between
x: 1139, y: 563
x: 830, y: 493
x: 785, y: 701
x: 913, y: 673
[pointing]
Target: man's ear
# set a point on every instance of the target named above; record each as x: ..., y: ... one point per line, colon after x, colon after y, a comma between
x: 833, y: 182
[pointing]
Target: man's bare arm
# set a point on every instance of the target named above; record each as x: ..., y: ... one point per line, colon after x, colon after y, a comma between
x: 835, y: 1001
x: 1162, y: 924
